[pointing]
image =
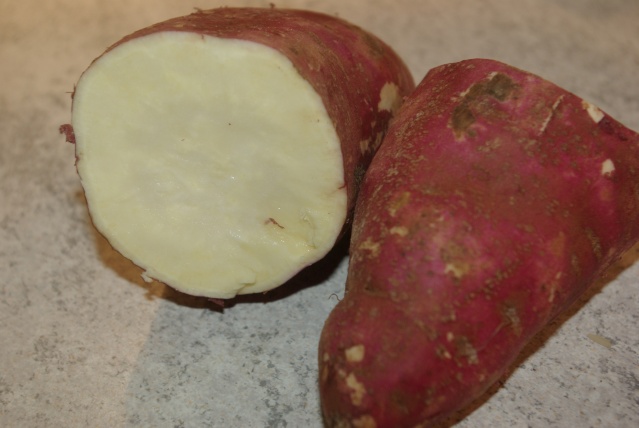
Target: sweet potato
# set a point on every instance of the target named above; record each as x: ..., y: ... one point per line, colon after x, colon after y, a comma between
x: 496, y: 198
x: 222, y: 151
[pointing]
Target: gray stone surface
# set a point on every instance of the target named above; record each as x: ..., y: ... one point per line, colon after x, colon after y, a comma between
x: 85, y: 342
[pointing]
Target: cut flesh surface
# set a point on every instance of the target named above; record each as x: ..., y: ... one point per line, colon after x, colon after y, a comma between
x: 210, y: 163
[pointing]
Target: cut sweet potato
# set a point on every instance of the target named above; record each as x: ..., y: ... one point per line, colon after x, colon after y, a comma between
x: 222, y: 151
x: 495, y: 200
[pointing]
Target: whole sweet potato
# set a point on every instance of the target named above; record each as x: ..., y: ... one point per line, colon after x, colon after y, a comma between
x: 495, y: 200
x: 222, y: 151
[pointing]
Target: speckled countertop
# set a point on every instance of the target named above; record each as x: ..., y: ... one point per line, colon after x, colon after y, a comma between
x: 84, y: 341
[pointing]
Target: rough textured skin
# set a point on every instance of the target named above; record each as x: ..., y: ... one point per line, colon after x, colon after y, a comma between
x: 347, y: 66
x: 495, y: 200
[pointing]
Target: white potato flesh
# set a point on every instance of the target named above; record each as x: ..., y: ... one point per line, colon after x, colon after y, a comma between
x: 210, y: 163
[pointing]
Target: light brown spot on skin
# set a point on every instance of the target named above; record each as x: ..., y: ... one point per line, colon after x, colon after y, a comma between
x: 595, y: 243
x: 398, y: 204
x: 378, y: 141
x: 324, y: 375
x: 443, y: 353
x: 553, y: 287
x: 358, y: 391
x: 457, y: 269
x: 512, y: 318
x: 467, y: 350
x: 399, y: 231
x: 607, y: 168
x: 392, y: 172
x: 574, y: 263
x: 364, y: 146
x: 355, y: 354
x: 557, y: 245
x: 372, y: 246
x: 389, y: 99
x: 489, y: 146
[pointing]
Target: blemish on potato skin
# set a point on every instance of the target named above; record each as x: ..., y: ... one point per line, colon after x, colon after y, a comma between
x: 461, y: 120
x: 389, y: 99
x: 458, y: 270
x: 550, y: 116
x: 355, y: 354
x: 399, y: 203
x: 553, y: 287
x: 501, y: 86
x: 595, y: 242
x: 502, y: 274
x: 364, y: 146
x: 358, y: 391
x: 574, y: 263
x: 325, y: 373
x: 371, y: 246
x: 443, y: 353
x: 511, y: 316
x: 607, y: 168
x: 593, y: 111
x: 489, y: 146
x: 399, y: 231
x: 498, y: 86
x: 466, y: 349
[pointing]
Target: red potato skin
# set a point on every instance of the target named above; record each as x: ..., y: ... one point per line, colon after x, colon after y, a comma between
x: 492, y: 204
x: 346, y: 65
